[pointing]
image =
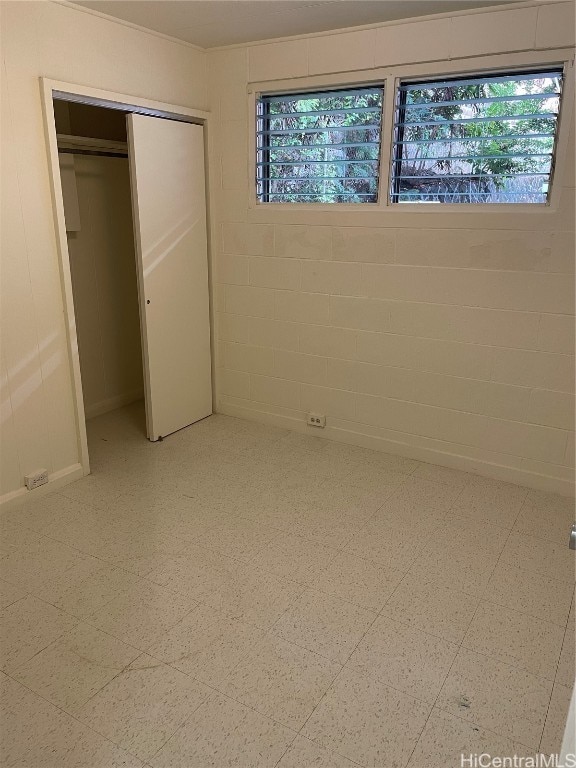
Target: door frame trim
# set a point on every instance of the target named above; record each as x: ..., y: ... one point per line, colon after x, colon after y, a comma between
x: 73, y: 92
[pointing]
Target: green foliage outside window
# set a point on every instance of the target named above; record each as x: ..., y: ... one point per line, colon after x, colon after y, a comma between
x: 472, y: 141
x: 320, y: 148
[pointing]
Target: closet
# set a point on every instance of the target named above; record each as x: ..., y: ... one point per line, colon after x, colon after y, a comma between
x: 134, y: 203
x: 99, y: 228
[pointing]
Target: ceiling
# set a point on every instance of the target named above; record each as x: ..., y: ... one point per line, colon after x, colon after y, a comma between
x: 210, y: 23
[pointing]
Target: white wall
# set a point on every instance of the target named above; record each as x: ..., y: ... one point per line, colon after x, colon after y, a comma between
x: 59, y: 42
x: 463, y: 355
x: 444, y: 336
x: 103, y: 270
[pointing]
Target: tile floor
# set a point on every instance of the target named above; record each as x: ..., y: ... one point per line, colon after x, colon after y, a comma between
x: 239, y: 595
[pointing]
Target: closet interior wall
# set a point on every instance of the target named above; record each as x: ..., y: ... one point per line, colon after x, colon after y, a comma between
x: 97, y: 202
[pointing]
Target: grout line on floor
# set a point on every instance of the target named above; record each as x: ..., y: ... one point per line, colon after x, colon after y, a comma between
x: 361, y: 523
x: 66, y: 714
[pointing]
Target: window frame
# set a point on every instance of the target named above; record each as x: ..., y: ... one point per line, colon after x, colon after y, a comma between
x: 266, y: 154
x: 561, y: 66
x: 391, y: 77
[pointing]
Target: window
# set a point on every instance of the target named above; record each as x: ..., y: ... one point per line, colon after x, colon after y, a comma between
x: 319, y: 147
x: 485, y: 139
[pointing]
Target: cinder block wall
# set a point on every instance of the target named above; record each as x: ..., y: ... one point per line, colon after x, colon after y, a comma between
x: 444, y: 336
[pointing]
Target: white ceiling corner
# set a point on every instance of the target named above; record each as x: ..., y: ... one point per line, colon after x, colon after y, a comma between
x: 213, y: 23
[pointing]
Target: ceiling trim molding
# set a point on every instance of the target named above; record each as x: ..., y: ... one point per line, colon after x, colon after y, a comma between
x: 393, y: 23
x: 91, y: 12
x: 311, y: 35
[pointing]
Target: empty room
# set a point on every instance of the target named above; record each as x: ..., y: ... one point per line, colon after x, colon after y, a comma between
x: 287, y: 454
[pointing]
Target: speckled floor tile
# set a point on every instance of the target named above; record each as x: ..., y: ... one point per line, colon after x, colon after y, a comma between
x: 443, y: 475
x: 433, y: 608
x: 19, y: 707
x: 70, y: 744
x: 365, y: 456
x: 530, y: 593
x: 87, y: 587
x: 143, y: 706
x: 515, y: 638
x: 225, y: 734
x: 489, y: 501
x: 566, y: 673
x: 324, y: 624
x: 446, y: 738
x: 467, y: 536
x: 386, y: 544
x: 15, y: 536
x: 187, y: 521
x: 30, y: 567
x: 196, y: 572
x: 548, y: 558
x: 375, y: 478
x: 317, y: 465
x: 367, y: 722
x: 496, y: 696
x: 245, y: 558
x: 126, y: 535
x: 281, y: 680
x: 303, y: 753
x: 419, y: 500
x: 359, y: 581
x: 144, y: 565
x: 404, y: 658
x: 75, y: 667
x: 86, y: 529
x: 546, y: 516
x: 38, y: 514
x: 469, y: 571
x: 292, y: 557
x: 255, y: 597
x: 9, y: 593
x: 26, y: 627
x: 206, y: 645
x: 329, y: 527
x: 130, y: 544
x: 99, y: 490
x: 556, y: 720
x: 273, y: 509
x: 142, y: 615
x: 239, y: 538
x: 355, y: 500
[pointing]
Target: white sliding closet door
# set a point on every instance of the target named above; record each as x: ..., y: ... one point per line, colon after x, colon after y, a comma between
x: 169, y: 202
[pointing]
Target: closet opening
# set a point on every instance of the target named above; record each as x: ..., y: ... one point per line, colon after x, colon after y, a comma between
x: 135, y: 217
x: 95, y: 177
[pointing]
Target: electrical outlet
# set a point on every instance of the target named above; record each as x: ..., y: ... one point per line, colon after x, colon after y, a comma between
x: 316, y: 420
x: 35, y: 479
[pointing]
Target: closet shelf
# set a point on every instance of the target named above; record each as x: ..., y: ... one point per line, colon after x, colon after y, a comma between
x: 66, y: 141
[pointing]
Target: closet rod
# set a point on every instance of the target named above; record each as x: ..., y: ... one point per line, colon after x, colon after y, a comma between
x: 100, y: 152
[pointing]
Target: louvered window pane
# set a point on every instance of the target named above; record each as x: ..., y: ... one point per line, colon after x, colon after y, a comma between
x: 319, y: 147
x: 486, y: 139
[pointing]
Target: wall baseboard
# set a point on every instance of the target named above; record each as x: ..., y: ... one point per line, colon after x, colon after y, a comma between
x: 509, y: 474
x: 56, y: 480
x: 104, y: 406
x: 496, y: 471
